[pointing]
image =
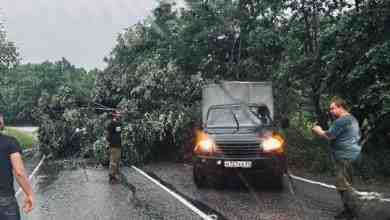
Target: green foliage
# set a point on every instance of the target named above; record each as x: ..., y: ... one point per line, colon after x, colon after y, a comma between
x: 8, y: 53
x: 157, y: 135
x: 25, y: 140
x: 59, y: 118
x: 310, y: 50
x: 303, y: 52
x: 9, y: 58
x: 305, y: 151
x: 160, y: 104
x: 100, y: 151
x: 25, y: 84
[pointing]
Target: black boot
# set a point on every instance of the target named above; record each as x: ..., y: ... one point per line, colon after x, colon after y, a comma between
x: 113, y: 179
x: 345, y: 214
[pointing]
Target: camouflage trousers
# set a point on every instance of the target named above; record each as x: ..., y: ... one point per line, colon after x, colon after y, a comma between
x: 115, y: 157
x: 344, y: 174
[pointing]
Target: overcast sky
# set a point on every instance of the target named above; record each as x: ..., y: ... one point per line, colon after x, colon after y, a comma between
x: 82, y: 31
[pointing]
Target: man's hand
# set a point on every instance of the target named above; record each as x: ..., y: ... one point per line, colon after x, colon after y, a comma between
x: 320, y: 132
x: 317, y: 129
x: 28, y: 204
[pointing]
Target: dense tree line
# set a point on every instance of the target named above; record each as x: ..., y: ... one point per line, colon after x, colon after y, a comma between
x: 310, y: 49
x: 8, y: 60
x: 26, y: 84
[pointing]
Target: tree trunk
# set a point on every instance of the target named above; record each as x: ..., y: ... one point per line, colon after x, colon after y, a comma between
x: 357, y: 4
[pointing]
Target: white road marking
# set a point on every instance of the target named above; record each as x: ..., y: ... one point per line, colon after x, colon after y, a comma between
x: 32, y: 174
x: 364, y: 195
x: 177, y: 196
x: 311, y: 181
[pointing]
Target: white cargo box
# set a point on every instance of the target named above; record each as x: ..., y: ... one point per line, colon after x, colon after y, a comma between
x: 237, y: 92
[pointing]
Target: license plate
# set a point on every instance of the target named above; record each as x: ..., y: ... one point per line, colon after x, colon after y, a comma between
x: 242, y: 164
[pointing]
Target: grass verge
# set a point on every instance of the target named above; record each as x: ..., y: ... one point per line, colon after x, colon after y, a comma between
x: 25, y: 139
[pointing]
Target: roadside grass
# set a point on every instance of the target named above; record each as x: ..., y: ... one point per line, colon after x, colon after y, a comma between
x: 25, y: 139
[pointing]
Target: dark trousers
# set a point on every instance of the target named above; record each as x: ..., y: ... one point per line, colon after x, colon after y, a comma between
x: 9, y: 209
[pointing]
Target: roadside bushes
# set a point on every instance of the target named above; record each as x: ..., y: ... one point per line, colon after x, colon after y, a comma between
x: 306, y: 152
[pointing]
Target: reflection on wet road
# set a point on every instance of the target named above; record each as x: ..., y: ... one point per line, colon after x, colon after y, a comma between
x: 75, y: 190
x: 241, y: 200
x: 82, y: 192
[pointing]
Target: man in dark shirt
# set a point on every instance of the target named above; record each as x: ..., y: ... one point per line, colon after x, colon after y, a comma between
x: 344, y: 136
x: 11, y: 164
x: 114, y: 139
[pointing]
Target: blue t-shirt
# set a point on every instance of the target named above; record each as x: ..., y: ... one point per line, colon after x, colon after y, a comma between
x: 8, y: 146
x: 346, y: 135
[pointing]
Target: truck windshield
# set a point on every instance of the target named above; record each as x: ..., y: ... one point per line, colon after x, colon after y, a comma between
x: 223, y: 117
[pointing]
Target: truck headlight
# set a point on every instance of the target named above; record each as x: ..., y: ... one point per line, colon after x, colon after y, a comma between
x: 273, y: 143
x: 205, y: 147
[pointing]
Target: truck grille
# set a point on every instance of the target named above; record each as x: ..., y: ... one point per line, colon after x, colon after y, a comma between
x: 239, y: 150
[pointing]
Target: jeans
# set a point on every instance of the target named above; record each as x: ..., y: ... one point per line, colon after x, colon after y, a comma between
x: 9, y: 209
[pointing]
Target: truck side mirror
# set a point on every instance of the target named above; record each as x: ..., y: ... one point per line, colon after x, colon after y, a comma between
x: 285, y: 123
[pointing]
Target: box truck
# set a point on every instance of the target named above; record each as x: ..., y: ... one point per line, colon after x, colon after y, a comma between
x: 238, y: 134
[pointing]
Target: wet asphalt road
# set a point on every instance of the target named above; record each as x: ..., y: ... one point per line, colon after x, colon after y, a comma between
x: 242, y: 200
x: 81, y: 191
x: 72, y: 190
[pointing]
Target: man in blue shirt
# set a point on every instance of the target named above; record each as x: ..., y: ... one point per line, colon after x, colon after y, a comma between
x: 11, y: 165
x: 344, y: 136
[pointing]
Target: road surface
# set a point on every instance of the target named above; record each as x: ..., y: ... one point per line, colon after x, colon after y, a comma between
x: 78, y: 190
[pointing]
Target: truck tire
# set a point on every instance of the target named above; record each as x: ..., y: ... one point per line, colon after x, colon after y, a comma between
x: 278, y: 182
x: 198, y: 177
x: 219, y: 182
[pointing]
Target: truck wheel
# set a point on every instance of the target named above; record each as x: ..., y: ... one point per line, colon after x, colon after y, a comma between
x: 278, y: 182
x: 198, y: 177
x: 219, y: 182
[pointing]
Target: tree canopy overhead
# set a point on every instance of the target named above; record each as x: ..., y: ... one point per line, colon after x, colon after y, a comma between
x: 310, y: 49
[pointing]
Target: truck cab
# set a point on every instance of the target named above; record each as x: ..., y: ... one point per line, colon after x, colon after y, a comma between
x: 238, y: 134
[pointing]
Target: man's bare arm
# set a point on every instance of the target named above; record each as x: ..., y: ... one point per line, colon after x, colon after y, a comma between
x: 321, y: 133
x: 22, y: 179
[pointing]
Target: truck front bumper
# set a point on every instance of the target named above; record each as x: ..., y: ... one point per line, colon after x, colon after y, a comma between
x: 272, y: 165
